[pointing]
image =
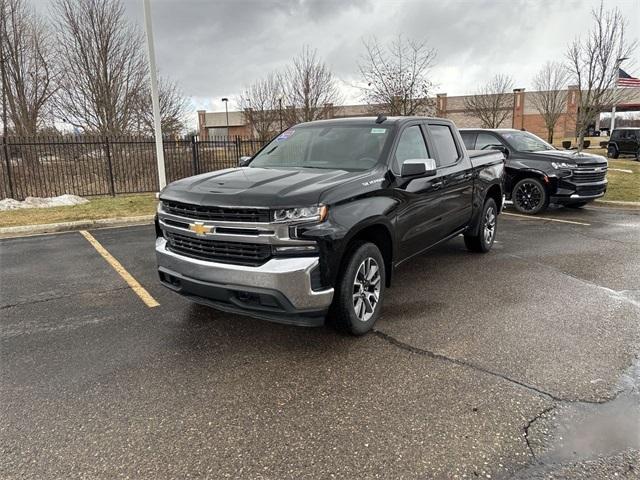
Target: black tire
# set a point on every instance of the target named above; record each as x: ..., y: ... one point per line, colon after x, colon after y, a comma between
x: 351, y: 314
x: 612, y: 152
x: 530, y: 196
x: 483, y: 241
x: 577, y: 205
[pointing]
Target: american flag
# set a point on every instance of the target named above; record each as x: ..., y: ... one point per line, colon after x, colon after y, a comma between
x: 626, y: 80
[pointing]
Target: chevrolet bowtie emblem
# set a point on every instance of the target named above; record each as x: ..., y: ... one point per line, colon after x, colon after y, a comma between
x: 199, y: 228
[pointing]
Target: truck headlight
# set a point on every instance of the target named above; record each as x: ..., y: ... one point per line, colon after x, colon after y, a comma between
x: 301, y: 214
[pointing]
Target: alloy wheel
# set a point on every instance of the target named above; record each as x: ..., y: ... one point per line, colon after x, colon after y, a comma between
x: 489, y: 225
x: 528, y: 196
x: 366, y: 289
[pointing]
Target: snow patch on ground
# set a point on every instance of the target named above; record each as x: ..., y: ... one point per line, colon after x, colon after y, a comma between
x: 37, y: 202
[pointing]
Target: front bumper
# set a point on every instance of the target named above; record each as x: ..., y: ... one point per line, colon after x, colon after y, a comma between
x: 279, y: 290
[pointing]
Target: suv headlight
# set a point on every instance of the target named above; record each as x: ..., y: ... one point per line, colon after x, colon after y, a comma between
x: 301, y: 214
x: 560, y: 165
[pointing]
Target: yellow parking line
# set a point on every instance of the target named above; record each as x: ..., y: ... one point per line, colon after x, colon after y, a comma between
x: 531, y: 217
x: 117, y: 266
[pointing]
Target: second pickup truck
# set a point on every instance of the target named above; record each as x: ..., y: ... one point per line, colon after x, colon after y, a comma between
x: 314, y: 224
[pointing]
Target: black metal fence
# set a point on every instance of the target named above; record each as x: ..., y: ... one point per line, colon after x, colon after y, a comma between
x: 48, y: 166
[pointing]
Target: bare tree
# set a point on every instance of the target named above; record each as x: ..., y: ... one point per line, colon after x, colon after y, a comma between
x: 397, y: 76
x: 310, y: 89
x: 174, y: 107
x: 493, y: 102
x: 550, y: 99
x: 261, y: 103
x: 594, y: 62
x: 28, y: 67
x: 105, y: 70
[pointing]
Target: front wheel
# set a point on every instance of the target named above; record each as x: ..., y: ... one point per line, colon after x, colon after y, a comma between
x: 529, y: 196
x: 360, y: 290
x: 483, y: 241
x: 612, y: 152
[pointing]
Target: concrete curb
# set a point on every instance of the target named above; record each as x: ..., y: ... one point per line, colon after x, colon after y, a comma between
x: 25, y: 230
x: 618, y: 202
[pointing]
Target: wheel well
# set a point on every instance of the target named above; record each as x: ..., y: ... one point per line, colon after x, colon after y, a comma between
x: 381, y: 237
x: 528, y: 174
x: 496, y: 193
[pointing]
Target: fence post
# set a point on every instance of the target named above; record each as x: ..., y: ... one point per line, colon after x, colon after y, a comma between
x: 5, y: 148
x: 238, y: 150
x: 194, y: 155
x: 112, y: 185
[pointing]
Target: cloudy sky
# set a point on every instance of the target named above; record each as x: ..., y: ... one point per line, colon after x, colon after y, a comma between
x: 215, y: 47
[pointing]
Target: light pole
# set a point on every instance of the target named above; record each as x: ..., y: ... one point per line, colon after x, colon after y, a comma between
x: 226, y: 110
x: 615, y: 94
x: 157, y: 128
x: 280, y: 111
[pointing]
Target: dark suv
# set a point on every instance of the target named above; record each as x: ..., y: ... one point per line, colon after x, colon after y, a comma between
x: 537, y: 173
x: 624, y: 141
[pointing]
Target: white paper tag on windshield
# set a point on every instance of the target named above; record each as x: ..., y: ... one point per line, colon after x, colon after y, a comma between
x: 378, y: 130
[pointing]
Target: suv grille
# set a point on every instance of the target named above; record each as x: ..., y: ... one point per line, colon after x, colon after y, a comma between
x: 588, y: 176
x: 216, y: 213
x: 224, y: 252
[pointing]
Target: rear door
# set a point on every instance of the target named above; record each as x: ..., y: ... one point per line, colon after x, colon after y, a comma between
x: 456, y: 174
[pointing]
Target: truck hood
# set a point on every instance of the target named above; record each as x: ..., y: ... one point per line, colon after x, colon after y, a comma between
x: 568, y: 156
x: 257, y: 187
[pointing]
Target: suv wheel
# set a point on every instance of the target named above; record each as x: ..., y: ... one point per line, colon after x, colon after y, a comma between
x: 360, y: 290
x: 483, y: 241
x: 612, y: 152
x: 529, y: 196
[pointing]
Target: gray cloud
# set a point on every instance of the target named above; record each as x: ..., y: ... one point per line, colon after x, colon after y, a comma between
x: 214, y: 48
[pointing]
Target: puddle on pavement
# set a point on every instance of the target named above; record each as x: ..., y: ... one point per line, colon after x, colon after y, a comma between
x: 584, y: 431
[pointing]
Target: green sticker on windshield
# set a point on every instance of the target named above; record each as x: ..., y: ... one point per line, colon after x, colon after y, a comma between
x: 378, y: 130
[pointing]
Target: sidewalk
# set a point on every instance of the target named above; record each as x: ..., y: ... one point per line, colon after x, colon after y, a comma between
x: 25, y: 230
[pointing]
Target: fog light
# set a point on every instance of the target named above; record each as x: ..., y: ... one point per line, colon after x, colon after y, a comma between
x: 295, y: 249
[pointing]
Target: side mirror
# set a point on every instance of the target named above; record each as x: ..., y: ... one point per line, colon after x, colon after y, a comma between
x: 419, y: 168
x: 244, y: 161
x: 501, y: 148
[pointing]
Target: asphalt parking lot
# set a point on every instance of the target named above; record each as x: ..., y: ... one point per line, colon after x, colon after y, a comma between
x: 522, y: 363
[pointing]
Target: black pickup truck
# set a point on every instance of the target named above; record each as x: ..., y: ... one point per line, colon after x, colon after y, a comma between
x: 314, y: 224
x: 537, y: 173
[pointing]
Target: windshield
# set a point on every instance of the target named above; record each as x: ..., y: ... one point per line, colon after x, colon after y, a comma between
x: 526, y: 142
x: 330, y: 147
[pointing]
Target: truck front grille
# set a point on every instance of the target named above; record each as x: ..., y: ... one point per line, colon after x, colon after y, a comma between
x: 223, y: 214
x: 250, y: 254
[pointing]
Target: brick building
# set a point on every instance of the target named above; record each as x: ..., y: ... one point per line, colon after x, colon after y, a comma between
x: 522, y: 114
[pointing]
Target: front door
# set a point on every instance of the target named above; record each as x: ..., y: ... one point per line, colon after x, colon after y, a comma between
x: 419, y: 217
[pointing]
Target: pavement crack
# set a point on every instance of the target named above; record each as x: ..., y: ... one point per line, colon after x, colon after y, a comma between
x: 465, y: 363
x: 528, y: 425
x: 420, y: 351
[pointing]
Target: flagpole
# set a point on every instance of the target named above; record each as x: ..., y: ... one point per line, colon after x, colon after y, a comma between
x: 615, y: 94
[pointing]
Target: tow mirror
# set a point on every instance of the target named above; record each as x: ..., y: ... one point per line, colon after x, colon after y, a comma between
x: 418, y: 168
x: 244, y: 161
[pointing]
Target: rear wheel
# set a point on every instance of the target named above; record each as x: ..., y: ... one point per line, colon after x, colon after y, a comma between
x: 529, y: 196
x: 360, y: 290
x: 612, y: 152
x: 483, y: 241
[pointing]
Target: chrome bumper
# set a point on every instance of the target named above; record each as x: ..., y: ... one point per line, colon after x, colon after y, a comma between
x: 289, y: 277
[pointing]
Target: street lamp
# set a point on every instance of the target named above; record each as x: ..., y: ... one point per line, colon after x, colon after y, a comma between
x: 280, y: 111
x: 615, y: 94
x: 226, y: 110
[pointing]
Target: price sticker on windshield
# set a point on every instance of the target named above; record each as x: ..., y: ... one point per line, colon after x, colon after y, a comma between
x: 286, y: 134
x: 378, y: 130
